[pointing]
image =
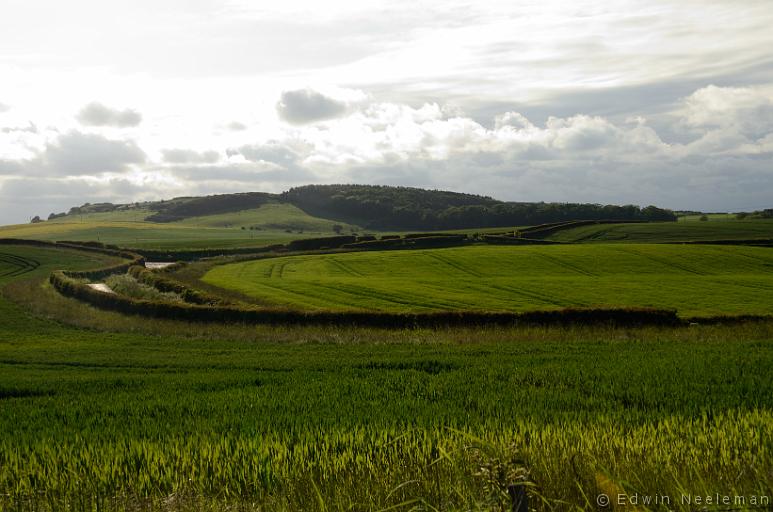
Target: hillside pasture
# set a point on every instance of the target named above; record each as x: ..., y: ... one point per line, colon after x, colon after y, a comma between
x: 695, y: 280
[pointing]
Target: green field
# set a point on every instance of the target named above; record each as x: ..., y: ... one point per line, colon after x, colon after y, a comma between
x: 695, y: 280
x: 105, y: 411
x: 271, y: 223
x: 657, y: 232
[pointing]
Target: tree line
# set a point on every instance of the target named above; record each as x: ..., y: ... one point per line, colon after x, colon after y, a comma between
x: 404, y: 208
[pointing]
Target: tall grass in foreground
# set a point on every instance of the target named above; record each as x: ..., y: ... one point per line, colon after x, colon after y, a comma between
x: 566, y: 466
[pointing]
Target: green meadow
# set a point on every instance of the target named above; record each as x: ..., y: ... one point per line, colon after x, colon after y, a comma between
x: 696, y: 280
x: 103, y: 411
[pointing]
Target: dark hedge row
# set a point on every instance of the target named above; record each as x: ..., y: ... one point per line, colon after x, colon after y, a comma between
x: 757, y: 242
x: 424, y: 242
x: 328, y: 242
x: 427, y: 235
x: 164, y: 284
x: 255, y: 315
x: 197, y: 254
x: 509, y: 240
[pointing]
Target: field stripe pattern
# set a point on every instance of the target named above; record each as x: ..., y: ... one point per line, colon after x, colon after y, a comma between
x: 694, y: 279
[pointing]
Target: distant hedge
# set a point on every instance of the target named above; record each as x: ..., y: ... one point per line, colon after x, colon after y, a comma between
x: 411, y: 242
x: 509, y: 240
x: 459, y: 236
x: 329, y: 242
x: 195, y: 254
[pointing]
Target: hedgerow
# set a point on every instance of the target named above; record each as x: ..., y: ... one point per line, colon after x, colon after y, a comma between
x: 164, y: 284
x: 250, y: 314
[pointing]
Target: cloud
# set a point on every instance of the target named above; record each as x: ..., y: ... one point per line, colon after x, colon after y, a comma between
x: 723, y: 162
x: 97, y: 114
x: 303, y: 106
x: 188, y: 156
x: 30, y: 128
x: 746, y: 110
x: 53, y: 195
x: 249, y: 176
x: 4, y: 108
x: 11, y: 168
x: 236, y: 126
x: 77, y: 153
x: 273, y: 152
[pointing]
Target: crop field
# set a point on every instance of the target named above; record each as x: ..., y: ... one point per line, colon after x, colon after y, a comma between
x: 695, y: 280
x: 656, y: 232
x: 101, y: 411
x: 149, y: 235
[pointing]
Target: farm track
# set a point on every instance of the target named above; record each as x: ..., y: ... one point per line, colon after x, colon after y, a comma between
x: 454, y: 265
x: 663, y: 261
x: 12, y: 265
x: 346, y: 269
x: 567, y: 266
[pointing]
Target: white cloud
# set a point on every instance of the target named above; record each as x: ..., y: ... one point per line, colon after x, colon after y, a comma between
x: 746, y: 110
x: 97, y: 114
x: 4, y: 108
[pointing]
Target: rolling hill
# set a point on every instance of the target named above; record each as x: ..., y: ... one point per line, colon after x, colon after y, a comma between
x: 372, y: 207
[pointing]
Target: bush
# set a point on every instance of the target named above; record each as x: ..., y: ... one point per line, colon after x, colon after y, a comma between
x: 125, y: 284
x: 164, y: 284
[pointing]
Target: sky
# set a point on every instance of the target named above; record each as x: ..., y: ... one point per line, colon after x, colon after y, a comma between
x: 615, y: 102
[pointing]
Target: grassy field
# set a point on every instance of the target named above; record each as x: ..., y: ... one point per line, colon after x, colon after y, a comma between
x: 657, y: 232
x: 695, y: 280
x: 148, y: 235
x: 104, y: 411
x: 272, y: 224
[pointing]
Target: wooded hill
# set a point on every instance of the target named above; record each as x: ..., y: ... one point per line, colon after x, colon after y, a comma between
x: 391, y: 208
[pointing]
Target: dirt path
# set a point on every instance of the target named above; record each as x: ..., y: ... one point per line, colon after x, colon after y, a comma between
x: 101, y: 287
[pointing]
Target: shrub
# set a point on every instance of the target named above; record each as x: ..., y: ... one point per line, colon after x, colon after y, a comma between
x: 125, y: 284
x: 164, y: 284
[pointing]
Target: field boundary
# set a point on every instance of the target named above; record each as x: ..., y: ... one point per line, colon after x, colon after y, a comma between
x: 70, y: 287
